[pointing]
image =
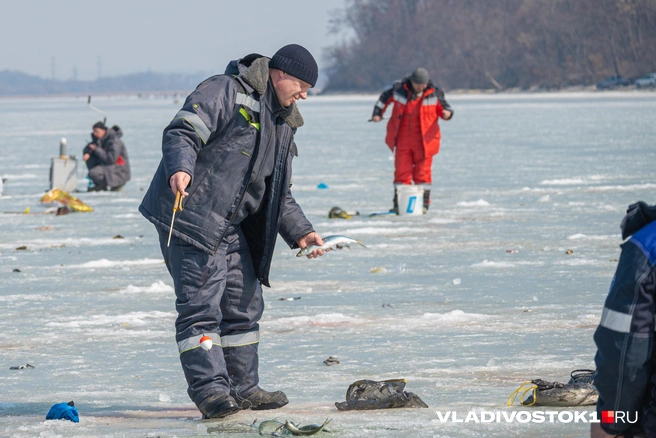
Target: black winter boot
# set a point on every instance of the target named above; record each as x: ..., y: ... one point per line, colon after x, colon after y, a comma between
x: 242, y: 365
x: 262, y: 400
x: 218, y: 406
x: 395, y: 209
x: 426, y: 200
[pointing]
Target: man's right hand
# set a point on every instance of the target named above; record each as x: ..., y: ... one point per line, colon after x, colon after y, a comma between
x: 179, y: 181
x: 376, y: 119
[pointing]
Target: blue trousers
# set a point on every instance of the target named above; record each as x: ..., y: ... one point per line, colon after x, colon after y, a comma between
x: 217, y: 296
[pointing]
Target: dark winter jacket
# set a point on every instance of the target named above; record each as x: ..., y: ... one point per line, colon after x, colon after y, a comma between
x: 220, y: 138
x: 625, y: 357
x: 111, y: 154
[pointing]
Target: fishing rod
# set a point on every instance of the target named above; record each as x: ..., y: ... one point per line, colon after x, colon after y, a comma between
x: 97, y: 110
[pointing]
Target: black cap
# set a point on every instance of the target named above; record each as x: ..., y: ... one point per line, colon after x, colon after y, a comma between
x: 296, y: 61
x: 100, y: 125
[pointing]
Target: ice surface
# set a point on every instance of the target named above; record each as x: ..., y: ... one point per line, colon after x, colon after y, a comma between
x: 519, y: 180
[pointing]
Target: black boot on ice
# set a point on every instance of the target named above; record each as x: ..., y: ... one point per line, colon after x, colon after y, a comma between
x: 395, y: 209
x: 426, y: 200
x: 242, y: 365
x: 218, y: 406
x: 262, y: 400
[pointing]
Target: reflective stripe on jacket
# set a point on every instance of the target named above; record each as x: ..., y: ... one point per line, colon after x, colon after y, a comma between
x: 433, y: 102
x: 213, y: 141
x: 626, y: 377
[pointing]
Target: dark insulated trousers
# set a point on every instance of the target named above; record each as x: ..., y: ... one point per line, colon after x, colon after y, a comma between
x: 218, y: 296
x: 97, y: 175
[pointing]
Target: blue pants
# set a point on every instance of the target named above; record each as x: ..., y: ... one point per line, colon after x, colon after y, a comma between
x: 218, y: 296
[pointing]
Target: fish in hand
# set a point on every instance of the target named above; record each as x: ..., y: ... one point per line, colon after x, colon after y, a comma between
x: 330, y: 242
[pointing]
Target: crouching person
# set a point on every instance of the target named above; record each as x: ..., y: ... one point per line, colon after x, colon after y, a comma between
x: 107, y: 159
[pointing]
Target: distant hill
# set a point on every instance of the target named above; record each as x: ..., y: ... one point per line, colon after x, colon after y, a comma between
x: 15, y: 83
x: 497, y: 44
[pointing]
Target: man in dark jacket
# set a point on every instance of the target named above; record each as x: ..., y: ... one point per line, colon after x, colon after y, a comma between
x: 107, y: 159
x: 413, y: 132
x: 626, y: 376
x: 229, y: 153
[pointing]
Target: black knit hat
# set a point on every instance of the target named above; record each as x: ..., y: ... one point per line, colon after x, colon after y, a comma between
x: 420, y: 76
x: 296, y: 61
x: 100, y: 125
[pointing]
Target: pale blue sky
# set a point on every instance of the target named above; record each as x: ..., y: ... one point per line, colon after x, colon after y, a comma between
x: 163, y: 36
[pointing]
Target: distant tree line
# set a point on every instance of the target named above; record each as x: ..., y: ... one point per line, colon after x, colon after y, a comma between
x: 496, y: 44
x: 13, y: 83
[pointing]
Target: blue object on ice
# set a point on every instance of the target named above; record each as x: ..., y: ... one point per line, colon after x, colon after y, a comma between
x: 322, y: 186
x: 64, y: 411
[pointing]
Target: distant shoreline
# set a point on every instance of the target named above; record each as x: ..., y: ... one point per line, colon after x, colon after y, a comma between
x: 182, y: 94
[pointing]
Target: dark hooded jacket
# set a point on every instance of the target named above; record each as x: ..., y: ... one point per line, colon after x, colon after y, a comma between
x: 223, y: 138
x: 112, y: 155
x: 625, y: 359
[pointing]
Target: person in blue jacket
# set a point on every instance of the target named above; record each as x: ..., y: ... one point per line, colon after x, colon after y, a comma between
x: 626, y: 375
x: 229, y: 152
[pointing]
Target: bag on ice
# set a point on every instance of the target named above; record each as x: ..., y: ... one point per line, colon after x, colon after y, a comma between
x: 369, y: 394
x: 64, y: 411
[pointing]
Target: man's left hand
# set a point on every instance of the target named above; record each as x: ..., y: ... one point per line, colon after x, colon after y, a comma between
x: 446, y: 114
x: 311, y: 239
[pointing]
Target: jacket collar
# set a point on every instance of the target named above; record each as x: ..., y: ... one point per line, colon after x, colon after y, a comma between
x: 407, y: 85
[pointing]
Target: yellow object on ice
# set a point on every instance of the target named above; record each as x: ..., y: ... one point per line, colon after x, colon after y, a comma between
x: 62, y: 197
x: 26, y: 211
x: 515, y: 395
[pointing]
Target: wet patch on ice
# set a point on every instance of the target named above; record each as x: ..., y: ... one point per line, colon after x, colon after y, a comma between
x: 479, y: 203
x: 134, y: 319
x: 105, y: 263
x: 455, y: 316
x: 320, y: 320
x: 581, y: 236
x: 68, y: 242
x: 491, y: 264
x: 157, y: 287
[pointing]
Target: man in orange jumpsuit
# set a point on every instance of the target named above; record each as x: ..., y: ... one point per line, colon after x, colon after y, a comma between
x: 413, y: 132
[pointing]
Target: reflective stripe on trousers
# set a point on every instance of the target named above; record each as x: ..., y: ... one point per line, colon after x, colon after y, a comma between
x: 215, y: 293
x: 238, y: 340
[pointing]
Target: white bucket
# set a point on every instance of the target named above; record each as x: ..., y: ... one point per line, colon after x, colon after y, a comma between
x: 411, y: 199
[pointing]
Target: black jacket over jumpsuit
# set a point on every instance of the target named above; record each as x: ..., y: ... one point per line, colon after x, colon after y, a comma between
x: 237, y: 143
x: 626, y: 358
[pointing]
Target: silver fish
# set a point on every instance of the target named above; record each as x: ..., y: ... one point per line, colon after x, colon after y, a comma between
x: 271, y: 427
x: 330, y: 242
x: 309, y: 429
